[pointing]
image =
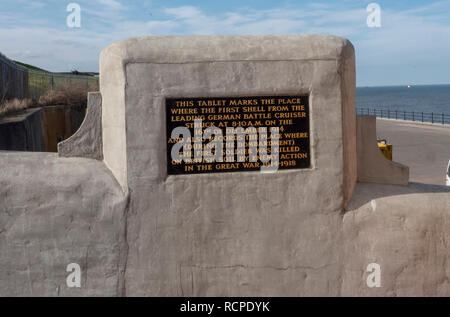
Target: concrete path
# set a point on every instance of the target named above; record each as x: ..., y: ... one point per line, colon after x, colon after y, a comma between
x: 424, y: 148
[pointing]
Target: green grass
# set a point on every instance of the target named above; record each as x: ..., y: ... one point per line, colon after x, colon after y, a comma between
x: 40, y: 81
x: 31, y: 67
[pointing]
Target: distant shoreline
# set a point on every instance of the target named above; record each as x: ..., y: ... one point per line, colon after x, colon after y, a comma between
x: 406, y: 85
x: 421, y: 98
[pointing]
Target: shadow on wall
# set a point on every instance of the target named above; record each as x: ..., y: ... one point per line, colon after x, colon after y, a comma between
x: 59, y: 123
x: 22, y: 131
x: 39, y: 129
x: 366, y: 192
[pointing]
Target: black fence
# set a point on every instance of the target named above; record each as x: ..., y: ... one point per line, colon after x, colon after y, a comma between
x: 13, y: 80
x: 431, y: 117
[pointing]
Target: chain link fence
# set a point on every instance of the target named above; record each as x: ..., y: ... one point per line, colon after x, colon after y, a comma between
x: 17, y: 81
x: 40, y: 82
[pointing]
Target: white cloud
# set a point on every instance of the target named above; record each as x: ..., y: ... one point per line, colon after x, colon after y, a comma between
x: 184, y: 12
x: 406, y: 39
x: 36, y: 4
x: 112, y: 4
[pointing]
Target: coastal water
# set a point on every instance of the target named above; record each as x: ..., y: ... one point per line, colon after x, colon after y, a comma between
x: 429, y: 98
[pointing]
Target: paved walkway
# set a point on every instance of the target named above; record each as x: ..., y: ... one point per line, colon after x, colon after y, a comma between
x: 424, y: 148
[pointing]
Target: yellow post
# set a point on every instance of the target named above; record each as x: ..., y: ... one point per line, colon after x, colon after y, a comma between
x: 385, y: 148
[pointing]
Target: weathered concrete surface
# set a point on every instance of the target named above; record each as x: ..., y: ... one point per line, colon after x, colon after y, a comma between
x: 55, y: 211
x: 307, y: 65
x: 232, y: 234
x: 373, y: 167
x: 406, y: 230
x: 22, y: 131
x: 87, y: 141
x: 349, y: 135
x: 424, y: 148
x: 240, y: 233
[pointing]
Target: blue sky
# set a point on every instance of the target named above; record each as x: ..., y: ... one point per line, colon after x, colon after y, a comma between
x: 412, y: 46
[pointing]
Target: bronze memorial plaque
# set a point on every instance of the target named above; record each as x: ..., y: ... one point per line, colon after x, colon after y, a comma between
x: 231, y: 134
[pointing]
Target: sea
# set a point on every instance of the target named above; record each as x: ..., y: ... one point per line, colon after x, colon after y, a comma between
x: 424, y: 98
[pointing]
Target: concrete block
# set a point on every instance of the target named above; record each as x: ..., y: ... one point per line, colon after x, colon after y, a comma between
x: 56, y: 211
x: 242, y: 233
x: 373, y: 167
x: 22, y: 131
x: 87, y: 141
x: 403, y: 229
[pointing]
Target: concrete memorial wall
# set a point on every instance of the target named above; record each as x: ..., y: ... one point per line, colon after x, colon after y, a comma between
x: 241, y: 232
x: 218, y: 166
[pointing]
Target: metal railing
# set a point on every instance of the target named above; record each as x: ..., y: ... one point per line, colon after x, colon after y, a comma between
x: 430, y: 117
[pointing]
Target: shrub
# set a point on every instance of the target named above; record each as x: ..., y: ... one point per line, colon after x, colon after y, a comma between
x: 73, y: 95
x: 67, y: 94
x: 14, y: 105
